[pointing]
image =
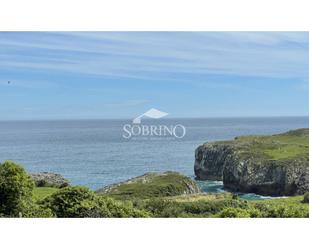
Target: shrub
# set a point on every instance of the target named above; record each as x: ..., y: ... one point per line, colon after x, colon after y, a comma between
x: 119, y: 209
x: 65, y: 184
x: 33, y: 210
x: 234, y: 213
x: 157, y: 206
x: 41, y: 183
x: 306, y: 198
x: 173, y: 211
x: 45, y: 183
x: 161, y: 207
x: 81, y: 202
x: 209, y: 208
x: 276, y: 210
x: 70, y: 201
x: 254, y: 213
x: 16, y: 188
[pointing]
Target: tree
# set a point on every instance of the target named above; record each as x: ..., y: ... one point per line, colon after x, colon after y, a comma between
x: 16, y: 188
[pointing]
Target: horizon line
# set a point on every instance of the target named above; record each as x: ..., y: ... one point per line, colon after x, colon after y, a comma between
x: 165, y: 118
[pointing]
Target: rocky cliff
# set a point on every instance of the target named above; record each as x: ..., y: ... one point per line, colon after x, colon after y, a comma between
x: 268, y: 165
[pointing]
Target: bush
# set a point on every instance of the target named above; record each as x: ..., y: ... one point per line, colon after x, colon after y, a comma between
x: 212, y: 207
x: 70, y: 201
x: 33, y: 210
x: 44, y: 183
x: 306, y: 198
x: 81, y: 202
x: 119, y: 209
x: 16, y: 188
x: 234, y: 213
x: 65, y: 184
x: 157, y: 205
x: 160, y: 207
x: 41, y: 183
x: 276, y: 210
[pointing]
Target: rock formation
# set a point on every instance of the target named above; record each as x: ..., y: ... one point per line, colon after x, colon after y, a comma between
x: 46, y: 179
x: 269, y: 165
x: 152, y: 185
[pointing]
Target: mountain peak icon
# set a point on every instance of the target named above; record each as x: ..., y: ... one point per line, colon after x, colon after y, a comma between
x: 151, y: 113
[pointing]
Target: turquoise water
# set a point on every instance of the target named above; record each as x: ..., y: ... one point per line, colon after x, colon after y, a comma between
x: 94, y: 153
x: 217, y: 187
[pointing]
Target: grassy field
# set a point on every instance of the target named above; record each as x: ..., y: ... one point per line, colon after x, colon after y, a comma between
x: 40, y: 193
x: 284, y: 146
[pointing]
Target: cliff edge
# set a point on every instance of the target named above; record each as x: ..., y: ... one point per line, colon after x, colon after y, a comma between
x: 269, y: 165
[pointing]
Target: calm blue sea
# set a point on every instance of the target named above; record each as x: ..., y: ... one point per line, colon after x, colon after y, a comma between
x: 94, y: 153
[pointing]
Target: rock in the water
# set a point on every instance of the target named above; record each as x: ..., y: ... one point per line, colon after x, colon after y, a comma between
x: 152, y: 185
x: 46, y: 179
x: 268, y: 165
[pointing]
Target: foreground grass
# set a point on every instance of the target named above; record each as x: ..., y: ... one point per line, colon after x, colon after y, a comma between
x: 209, y: 205
x: 40, y: 193
x: 224, y: 206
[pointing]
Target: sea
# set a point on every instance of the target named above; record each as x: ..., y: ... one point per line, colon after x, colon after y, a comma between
x: 94, y: 153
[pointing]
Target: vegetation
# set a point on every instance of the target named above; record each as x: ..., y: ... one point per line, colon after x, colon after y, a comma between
x: 43, y: 183
x: 234, y: 213
x: 223, y: 206
x: 16, y: 188
x: 277, y: 147
x: 151, y: 185
x: 39, y: 193
x: 81, y: 202
x: 19, y: 198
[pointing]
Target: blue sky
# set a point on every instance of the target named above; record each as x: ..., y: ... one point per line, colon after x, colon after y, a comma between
x: 123, y: 74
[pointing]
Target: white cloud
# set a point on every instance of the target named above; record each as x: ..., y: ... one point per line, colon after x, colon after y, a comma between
x: 150, y: 55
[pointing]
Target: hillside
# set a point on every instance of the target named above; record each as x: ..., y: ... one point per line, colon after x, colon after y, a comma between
x: 152, y: 185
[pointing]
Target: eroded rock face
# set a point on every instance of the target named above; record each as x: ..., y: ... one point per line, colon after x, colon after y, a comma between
x: 46, y: 179
x: 264, y: 177
x: 210, y: 160
x: 245, y: 165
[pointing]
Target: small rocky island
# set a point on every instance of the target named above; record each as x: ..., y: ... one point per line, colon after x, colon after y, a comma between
x: 274, y: 165
x: 152, y: 185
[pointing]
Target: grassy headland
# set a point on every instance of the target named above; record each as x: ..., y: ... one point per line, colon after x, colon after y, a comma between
x: 151, y: 185
x: 290, y: 145
x: 275, y: 165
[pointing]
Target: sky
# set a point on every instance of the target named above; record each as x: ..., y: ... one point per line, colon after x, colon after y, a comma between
x: 85, y: 75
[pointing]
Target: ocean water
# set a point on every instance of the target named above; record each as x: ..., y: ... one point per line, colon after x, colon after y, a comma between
x: 94, y: 153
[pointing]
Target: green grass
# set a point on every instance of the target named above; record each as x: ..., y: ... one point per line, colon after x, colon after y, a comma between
x: 290, y: 145
x: 153, y: 185
x: 200, y: 197
x: 287, y: 151
x: 40, y: 193
x: 296, y: 201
